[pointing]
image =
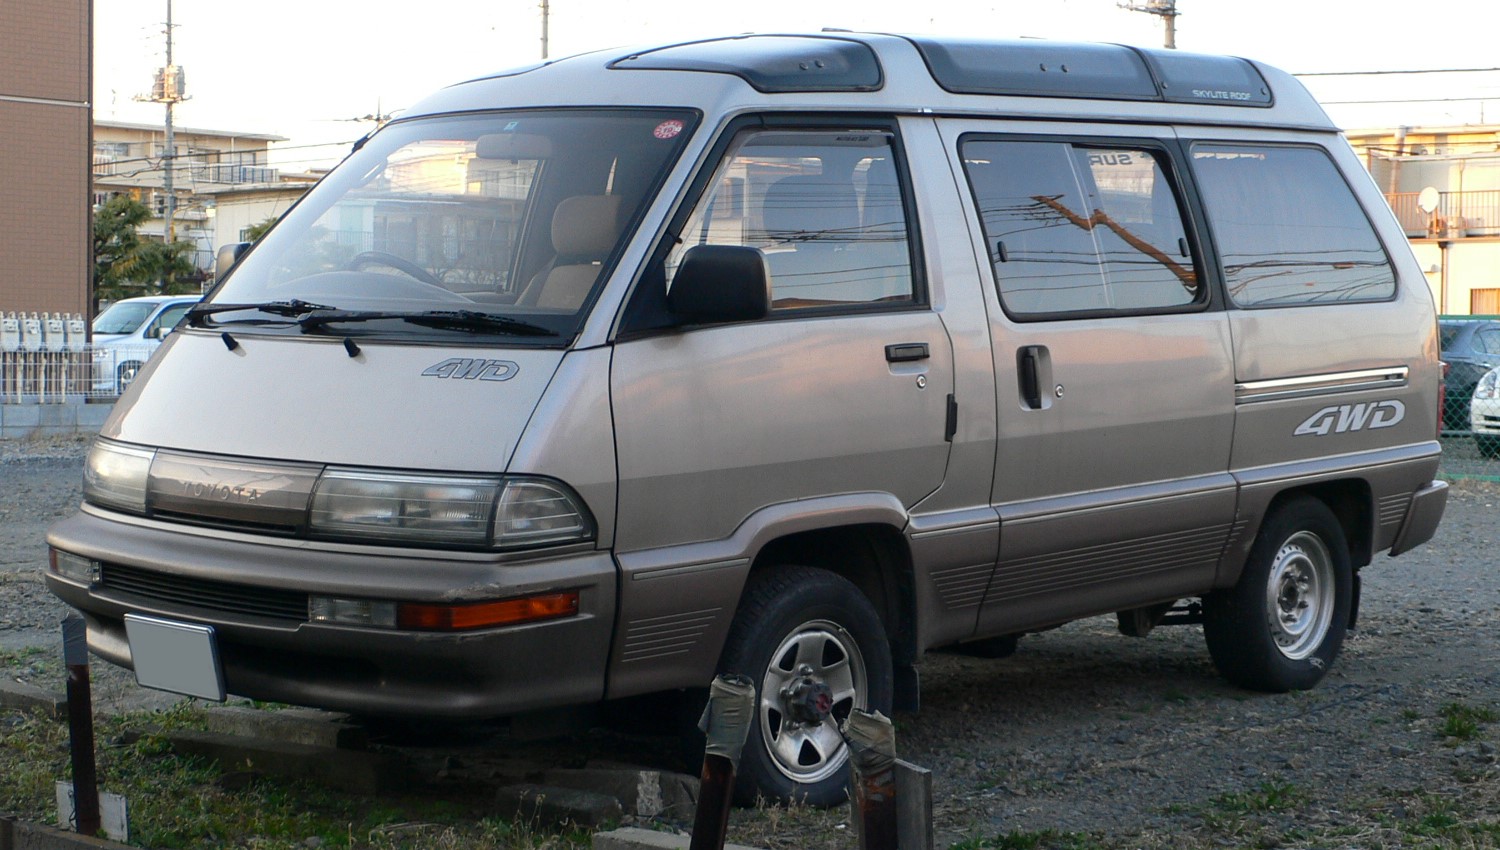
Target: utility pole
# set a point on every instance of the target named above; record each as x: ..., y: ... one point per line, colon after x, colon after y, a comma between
x: 545, y: 11
x: 1166, y: 10
x: 167, y: 89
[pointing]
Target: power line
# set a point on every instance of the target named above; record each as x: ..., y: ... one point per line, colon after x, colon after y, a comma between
x: 1409, y: 100
x: 1387, y: 73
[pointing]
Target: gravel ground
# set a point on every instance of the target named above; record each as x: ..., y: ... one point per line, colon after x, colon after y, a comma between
x: 1134, y: 741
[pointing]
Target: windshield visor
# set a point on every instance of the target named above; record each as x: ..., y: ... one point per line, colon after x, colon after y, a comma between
x: 515, y: 215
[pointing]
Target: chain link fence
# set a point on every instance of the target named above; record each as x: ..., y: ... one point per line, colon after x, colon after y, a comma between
x: 1471, y: 405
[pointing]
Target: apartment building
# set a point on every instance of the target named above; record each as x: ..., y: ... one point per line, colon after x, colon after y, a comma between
x: 1443, y: 183
x: 132, y: 159
x: 45, y: 224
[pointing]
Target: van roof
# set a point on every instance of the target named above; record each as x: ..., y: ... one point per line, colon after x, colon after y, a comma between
x: 914, y: 74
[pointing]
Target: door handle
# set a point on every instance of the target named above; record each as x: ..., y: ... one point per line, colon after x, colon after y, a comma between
x: 905, y: 352
x: 1029, y: 373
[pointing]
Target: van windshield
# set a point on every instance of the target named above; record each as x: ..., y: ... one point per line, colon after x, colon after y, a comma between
x: 123, y: 317
x: 515, y: 215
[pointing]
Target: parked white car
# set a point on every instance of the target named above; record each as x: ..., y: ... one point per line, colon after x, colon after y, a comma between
x: 128, y: 333
x: 1484, y: 414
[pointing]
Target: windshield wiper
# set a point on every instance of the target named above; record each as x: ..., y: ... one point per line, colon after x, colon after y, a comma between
x: 292, y: 308
x: 462, y: 320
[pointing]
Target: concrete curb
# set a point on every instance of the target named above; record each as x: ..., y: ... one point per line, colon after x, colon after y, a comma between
x: 18, y: 421
x: 552, y: 805
x: 20, y: 835
x: 27, y: 697
x: 634, y: 838
x: 347, y: 770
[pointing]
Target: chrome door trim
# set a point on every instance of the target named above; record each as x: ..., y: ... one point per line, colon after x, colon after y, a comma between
x: 1327, y: 383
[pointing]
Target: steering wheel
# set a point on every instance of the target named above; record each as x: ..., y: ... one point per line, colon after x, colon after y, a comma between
x: 399, y: 263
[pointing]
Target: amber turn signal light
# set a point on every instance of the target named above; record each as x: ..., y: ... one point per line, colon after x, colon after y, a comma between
x: 483, y: 615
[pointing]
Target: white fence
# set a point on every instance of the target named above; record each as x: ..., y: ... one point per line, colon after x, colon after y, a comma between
x: 45, y: 358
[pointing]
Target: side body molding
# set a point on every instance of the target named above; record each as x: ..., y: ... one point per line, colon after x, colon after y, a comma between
x: 676, y: 602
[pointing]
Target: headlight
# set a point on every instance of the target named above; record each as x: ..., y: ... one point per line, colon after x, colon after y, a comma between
x: 404, y: 507
x: 115, y: 476
x: 504, y: 512
x: 1486, y: 388
x: 533, y: 511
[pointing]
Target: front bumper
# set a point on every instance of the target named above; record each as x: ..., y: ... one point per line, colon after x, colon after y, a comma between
x: 268, y: 652
x: 1484, y: 417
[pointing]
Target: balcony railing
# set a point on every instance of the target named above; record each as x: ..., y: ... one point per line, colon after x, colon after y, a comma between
x: 1458, y: 214
x: 186, y: 170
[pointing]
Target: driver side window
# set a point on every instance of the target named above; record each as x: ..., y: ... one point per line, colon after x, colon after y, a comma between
x: 825, y: 208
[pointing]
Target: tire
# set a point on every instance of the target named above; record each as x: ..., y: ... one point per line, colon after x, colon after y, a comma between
x: 799, y: 627
x: 125, y: 375
x: 1488, y: 446
x: 1280, y: 628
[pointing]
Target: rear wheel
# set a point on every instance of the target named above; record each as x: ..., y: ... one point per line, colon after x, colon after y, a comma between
x: 1280, y: 628
x: 126, y: 374
x: 816, y: 650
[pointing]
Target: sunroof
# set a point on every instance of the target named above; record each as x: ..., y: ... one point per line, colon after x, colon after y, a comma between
x: 1108, y: 71
x: 772, y: 64
x: 1195, y: 78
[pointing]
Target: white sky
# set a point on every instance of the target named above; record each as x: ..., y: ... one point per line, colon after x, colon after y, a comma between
x: 301, y: 68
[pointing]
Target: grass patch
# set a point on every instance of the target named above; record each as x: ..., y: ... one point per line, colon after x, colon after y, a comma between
x: 1269, y: 796
x: 1463, y: 722
x: 1047, y: 839
x: 178, y: 802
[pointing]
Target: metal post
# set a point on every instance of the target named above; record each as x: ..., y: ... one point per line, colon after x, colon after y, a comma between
x: 546, y: 13
x: 872, y: 760
x: 726, y: 722
x: 81, y: 725
x: 170, y: 234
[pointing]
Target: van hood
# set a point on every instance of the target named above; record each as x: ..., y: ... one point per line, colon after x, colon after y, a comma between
x: 419, y: 407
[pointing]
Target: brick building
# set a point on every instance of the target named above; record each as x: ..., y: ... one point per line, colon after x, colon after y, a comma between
x: 45, y: 83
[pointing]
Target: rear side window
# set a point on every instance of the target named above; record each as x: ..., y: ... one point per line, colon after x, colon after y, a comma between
x: 1080, y: 229
x: 1288, y: 228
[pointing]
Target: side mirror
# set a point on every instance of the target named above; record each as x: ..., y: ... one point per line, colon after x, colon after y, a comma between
x: 226, y: 258
x: 721, y: 283
x: 159, y: 332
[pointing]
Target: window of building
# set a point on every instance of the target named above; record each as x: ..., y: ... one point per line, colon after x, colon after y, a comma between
x: 824, y: 207
x: 1484, y: 302
x: 1080, y: 229
x: 1288, y: 228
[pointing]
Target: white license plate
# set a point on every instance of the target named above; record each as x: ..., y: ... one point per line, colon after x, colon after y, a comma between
x: 179, y: 657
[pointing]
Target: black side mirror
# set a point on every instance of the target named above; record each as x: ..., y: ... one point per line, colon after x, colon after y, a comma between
x: 228, y: 255
x: 721, y: 283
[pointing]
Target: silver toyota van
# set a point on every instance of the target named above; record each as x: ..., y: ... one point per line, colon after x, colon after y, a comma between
x: 791, y: 355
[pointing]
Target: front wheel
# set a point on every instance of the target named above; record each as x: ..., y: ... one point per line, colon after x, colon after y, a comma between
x: 1280, y: 628
x: 816, y: 650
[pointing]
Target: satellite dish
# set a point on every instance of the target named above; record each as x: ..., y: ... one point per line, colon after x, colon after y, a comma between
x: 1427, y: 199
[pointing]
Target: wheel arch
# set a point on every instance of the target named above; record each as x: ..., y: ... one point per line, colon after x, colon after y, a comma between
x: 874, y: 557
x: 1352, y: 503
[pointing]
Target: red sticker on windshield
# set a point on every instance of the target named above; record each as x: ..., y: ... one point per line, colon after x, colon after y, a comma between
x: 667, y: 129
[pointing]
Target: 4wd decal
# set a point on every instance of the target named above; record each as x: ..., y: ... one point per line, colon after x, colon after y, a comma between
x: 470, y: 369
x: 1352, y: 417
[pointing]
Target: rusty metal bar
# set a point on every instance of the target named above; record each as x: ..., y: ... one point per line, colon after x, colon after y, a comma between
x: 726, y: 723
x: 81, y: 726
x: 872, y: 760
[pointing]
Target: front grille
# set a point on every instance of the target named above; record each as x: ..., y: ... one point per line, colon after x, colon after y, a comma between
x: 205, y: 594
